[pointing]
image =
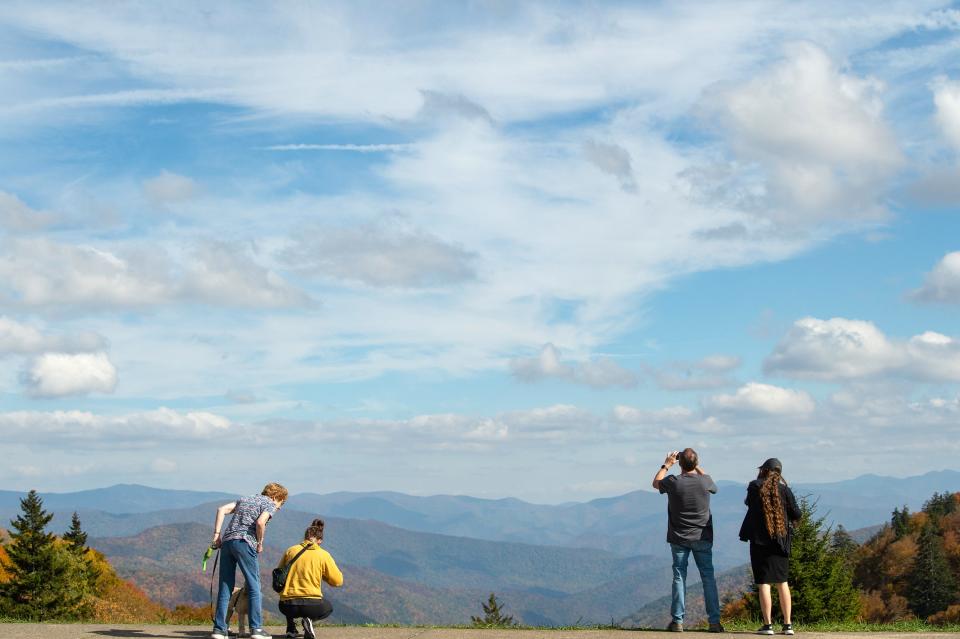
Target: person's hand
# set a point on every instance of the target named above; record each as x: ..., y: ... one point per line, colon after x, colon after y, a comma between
x: 671, y: 459
x: 259, y: 547
x: 216, y: 540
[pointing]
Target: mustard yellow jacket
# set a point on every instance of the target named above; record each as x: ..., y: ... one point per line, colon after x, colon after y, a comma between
x: 306, y: 574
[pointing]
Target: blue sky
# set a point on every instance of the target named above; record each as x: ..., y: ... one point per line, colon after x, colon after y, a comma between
x: 476, y: 247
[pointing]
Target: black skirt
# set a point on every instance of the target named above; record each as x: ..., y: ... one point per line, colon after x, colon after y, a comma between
x: 770, y: 565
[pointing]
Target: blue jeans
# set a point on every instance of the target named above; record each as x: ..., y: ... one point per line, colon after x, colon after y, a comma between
x: 234, y: 553
x: 703, y: 556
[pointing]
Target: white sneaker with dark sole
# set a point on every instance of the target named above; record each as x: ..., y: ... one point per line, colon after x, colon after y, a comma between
x: 308, y: 628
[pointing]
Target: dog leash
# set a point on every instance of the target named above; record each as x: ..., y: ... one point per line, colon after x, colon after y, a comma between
x: 213, y: 572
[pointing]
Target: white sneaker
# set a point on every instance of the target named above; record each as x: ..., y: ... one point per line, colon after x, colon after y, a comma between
x: 308, y: 629
x: 260, y: 633
x: 216, y: 634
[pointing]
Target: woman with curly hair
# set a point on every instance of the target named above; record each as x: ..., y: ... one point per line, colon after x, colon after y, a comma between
x: 771, y: 509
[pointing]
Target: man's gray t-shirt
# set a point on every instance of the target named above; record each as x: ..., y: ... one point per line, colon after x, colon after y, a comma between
x: 688, y: 508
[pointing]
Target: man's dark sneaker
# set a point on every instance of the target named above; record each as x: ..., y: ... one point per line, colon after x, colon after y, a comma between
x: 765, y: 629
x: 788, y: 628
x: 308, y: 629
x: 675, y: 626
x: 716, y: 627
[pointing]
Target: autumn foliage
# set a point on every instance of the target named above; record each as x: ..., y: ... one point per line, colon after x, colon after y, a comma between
x: 103, y: 596
x: 911, y: 567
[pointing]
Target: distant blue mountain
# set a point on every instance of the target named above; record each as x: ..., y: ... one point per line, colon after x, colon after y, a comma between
x: 629, y: 524
x: 430, y: 559
x: 121, y: 498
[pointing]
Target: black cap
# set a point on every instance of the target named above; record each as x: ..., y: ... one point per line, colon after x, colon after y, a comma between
x: 772, y: 464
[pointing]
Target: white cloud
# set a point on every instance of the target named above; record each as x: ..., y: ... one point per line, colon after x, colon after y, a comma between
x: 18, y: 217
x: 612, y: 159
x: 602, y: 372
x: 933, y: 357
x: 946, y: 98
x: 438, y: 105
x: 170, y: 188
x: 22, y: 339
x: 381, y: 254
x: 843, y: 349
x: 62, y: 374
x: 668, y: 424
x: 834, y: 349
x: 227, y: 275
x: 821, y: 147
x: 49, y: 275
x: 942, y: 284
x: 437, y: 431
x: 68, y: 429
x: 763, y: 399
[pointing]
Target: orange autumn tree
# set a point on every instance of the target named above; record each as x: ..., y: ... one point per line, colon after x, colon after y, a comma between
x: 911, y: 567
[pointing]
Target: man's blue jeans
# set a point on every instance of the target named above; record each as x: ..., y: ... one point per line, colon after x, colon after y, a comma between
x: 703, y: 556
x: 238, y: 553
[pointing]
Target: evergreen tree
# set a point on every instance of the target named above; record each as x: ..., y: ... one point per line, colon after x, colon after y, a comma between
x: 843, y: 546
x: 932, y: 586
x: 76, y: 536
x: 821, y: 579
x: 939, y: 505
x: 900, y: 522
x: 47, y: 581
x: 493, y: 616
x: 76, y: 540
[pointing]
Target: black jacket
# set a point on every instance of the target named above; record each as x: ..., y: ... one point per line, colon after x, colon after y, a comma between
x: 754, y: 527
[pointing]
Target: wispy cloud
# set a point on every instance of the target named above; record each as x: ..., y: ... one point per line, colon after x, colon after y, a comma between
x: 357, y: 148
x: 601, y: 372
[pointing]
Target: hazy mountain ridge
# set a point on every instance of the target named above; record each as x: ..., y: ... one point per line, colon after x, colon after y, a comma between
x: 594, y: 561
x: 592, y: 586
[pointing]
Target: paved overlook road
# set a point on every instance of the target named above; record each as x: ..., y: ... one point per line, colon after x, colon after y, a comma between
x: 88, y: 631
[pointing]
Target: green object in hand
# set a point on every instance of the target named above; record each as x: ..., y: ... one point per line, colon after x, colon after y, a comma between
x: 207, y: 556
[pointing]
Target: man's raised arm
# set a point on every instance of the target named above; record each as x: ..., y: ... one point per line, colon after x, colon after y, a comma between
x: 667, y: 463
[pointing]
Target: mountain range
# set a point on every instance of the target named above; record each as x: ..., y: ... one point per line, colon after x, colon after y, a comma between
x: 412, y: 559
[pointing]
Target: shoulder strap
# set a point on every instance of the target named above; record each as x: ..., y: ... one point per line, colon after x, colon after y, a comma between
x: 302, y: 550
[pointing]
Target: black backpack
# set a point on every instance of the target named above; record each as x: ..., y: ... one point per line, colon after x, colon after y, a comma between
x: 280, y: 574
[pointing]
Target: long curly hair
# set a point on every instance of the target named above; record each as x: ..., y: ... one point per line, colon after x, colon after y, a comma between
x: 773, y: 511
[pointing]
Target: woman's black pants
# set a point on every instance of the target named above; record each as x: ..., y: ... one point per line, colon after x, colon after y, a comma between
x: 314, y: 609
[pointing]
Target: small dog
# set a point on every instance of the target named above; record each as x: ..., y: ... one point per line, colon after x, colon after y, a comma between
x: 239, y: 602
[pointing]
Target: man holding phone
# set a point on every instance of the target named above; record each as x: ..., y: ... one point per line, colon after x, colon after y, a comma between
x: 689, y: 530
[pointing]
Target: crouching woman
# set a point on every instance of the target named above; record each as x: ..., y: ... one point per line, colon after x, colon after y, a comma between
x: 302, y: 597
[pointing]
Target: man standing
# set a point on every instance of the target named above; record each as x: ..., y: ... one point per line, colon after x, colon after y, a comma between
x: 689, y: 530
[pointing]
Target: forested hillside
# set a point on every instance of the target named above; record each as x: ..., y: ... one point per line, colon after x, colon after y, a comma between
x: 48, y: 578
x: 908, y: 570
x: 911, y: 568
